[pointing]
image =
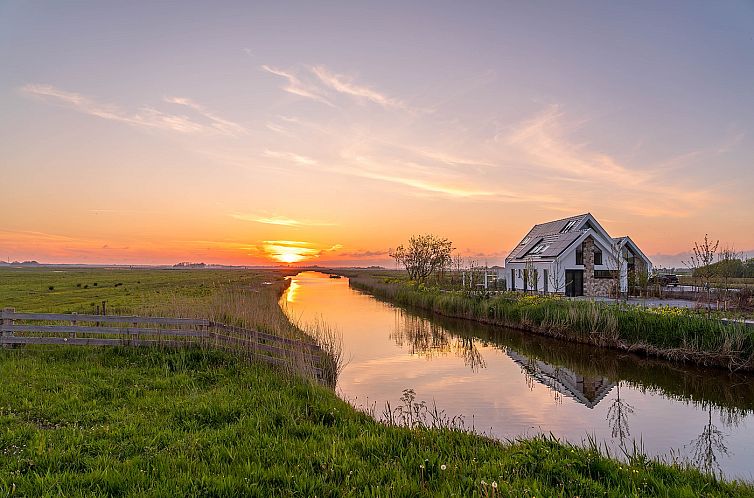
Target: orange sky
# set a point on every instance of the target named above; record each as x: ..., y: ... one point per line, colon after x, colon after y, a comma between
x: 227, y: 136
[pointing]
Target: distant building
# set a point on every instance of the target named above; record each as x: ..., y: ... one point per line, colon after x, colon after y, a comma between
x: 574, y: 256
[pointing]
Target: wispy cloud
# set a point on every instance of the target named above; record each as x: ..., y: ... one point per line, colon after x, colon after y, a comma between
x: 290, y: 156
x: 296, y: 86
x: 144, y: 117
x: 280, y: 220
x: 542, y: 144
x: 220, y: 124
x: 323, y: 85
x: 345, y: 85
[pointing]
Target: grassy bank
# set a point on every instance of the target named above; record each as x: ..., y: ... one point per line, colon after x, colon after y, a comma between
x: 665, y: 333
x: 119, y: 421
x: 92, y: 421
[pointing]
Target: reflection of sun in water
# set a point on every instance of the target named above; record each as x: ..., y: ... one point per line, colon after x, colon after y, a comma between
x: 291, y: 295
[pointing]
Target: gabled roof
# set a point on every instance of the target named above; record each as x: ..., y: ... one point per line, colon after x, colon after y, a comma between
x: 626, y: 240
x: 553, y: 235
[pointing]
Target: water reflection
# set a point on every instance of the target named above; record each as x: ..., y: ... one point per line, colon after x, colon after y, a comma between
x: 709, y: 446
x: 587, y: 390
x: 428, y: 339
x: 617, y: 417
x: 509, y: 383
x: 587, y: 374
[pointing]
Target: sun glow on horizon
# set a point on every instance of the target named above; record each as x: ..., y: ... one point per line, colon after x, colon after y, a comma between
x: 289, y: 251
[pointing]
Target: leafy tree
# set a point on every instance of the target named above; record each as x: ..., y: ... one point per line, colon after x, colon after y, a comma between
x: 423, y: 256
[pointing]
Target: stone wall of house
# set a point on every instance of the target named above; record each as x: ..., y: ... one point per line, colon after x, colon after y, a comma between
x: 594, y: 286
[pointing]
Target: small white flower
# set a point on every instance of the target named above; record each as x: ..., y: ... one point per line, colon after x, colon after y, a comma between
x: 443, y: 467
x: 484, y: 483
x: 494, y: 484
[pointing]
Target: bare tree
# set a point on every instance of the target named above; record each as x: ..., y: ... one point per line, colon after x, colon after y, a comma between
x: 726, y: 266
x: 700, y: 264
x: 555, y: 277
x: 424, y: 255
x: 457, y: 266
x: 531, y: 275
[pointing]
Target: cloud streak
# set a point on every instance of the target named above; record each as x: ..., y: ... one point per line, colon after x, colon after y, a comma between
x: 290, y: 156
x: 343, y: 84
x: 322, y: 85
x: 144, y: 117
x: 280, y: 220
x: 541, y: 144
x: 295, y: 86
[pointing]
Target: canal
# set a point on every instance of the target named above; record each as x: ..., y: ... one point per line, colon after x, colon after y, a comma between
x: 509, y: 384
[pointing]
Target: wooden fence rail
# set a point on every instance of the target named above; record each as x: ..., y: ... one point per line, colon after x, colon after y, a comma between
x: 114, y: 330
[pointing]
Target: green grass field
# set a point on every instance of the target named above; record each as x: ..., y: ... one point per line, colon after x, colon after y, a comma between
x: 124, y: 290
x: 149, y: 422
x: 83, y: 422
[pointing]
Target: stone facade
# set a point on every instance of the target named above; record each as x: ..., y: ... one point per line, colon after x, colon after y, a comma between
x: 594, y: 286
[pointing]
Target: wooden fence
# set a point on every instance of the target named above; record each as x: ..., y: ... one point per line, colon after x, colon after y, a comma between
x: 18, y: 329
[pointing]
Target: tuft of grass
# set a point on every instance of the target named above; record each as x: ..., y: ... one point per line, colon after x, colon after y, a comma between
x: 120, y: 421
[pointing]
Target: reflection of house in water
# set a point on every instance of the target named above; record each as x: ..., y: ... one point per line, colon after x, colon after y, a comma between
x: 586, y: 390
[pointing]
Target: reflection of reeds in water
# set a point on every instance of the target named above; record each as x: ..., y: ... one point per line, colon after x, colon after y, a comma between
x: 733, y: 393
x: 428, y: 339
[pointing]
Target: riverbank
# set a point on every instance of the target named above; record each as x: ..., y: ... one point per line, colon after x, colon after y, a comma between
x: 665, y: 333
x: 82, y: 421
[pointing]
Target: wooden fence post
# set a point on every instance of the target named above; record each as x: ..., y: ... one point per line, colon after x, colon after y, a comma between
x: 6, y: 322
x: 73, y: 322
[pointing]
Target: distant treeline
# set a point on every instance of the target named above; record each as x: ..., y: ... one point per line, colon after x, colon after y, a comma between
x: 733, y: 268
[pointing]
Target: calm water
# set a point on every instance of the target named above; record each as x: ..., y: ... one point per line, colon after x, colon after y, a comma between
x: 511, y: 384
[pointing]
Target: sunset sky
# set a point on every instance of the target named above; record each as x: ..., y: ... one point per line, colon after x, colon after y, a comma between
x: 249, y: 133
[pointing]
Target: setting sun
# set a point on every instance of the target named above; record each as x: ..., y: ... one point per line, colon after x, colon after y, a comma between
x: 289, y: 251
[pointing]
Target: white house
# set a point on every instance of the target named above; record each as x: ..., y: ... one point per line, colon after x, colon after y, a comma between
x: 575, y: 256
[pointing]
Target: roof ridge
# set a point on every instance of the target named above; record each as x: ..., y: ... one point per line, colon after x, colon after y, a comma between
x: 563, y: 219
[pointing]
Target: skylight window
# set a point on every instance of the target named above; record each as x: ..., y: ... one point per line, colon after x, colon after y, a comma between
x: 569, y: 226
x: 526, y: 241
x: 539, y: 249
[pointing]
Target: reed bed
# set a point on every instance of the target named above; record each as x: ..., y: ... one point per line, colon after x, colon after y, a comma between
x: 679, y: 336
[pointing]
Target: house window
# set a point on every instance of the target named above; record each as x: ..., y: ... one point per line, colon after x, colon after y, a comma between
x: 597, y: 257
x: 579, y: 256
x: 605, y: 273
x: 569, y: 226
x: 526, y: 241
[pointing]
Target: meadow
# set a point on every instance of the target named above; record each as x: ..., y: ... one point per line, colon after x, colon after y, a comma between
x: 151, y: 422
